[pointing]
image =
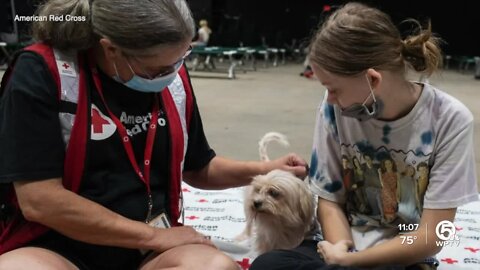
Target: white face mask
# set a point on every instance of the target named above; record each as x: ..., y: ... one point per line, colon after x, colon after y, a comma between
x: 154, y: 85
x: 360, y: 111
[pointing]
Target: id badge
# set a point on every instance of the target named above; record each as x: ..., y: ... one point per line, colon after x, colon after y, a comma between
x: 160, y: 222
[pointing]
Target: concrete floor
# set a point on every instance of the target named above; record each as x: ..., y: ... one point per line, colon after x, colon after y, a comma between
x: 237, y: 113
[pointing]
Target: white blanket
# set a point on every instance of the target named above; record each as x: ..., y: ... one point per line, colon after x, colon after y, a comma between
x: 220, y: 215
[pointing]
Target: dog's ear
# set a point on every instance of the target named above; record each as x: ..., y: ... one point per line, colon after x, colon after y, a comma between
x: 307, y: 206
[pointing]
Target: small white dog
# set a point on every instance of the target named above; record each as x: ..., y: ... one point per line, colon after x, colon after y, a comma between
x: 279, y: 207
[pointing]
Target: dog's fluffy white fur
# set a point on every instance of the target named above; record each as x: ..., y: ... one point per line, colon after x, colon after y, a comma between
x: 279, y: 207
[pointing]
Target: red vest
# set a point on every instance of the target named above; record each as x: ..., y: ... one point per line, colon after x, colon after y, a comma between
x: 178, y: 106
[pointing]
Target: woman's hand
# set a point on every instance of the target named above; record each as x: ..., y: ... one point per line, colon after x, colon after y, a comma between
x: 335, y: 253
x: 292, y: 163
x: 179, y: 236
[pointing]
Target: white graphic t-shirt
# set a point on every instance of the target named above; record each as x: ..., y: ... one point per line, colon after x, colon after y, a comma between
x: 385, y: 173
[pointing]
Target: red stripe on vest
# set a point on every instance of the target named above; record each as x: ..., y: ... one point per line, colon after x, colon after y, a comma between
x: 49, y: 57
x: 77, y: 145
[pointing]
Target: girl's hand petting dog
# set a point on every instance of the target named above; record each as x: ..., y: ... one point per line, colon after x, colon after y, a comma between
x: 335, y: 253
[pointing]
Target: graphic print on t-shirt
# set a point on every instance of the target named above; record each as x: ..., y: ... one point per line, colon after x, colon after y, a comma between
x: 384, y: 186
x: 102, y: 126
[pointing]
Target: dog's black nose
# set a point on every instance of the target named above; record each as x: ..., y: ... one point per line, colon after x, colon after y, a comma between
x: 257, y: 204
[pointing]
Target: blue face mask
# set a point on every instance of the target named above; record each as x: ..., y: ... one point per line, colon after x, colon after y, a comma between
x: 154, y: 85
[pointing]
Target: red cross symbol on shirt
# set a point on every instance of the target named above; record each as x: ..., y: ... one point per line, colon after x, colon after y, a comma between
x: 98, y: 122
x: 65, y: 65
x: 192, y: 217
x: 449, y: 260
x: 244, y: 264
x: 474, y: 250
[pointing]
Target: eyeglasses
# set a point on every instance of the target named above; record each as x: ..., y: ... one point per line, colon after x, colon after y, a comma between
x: 165, y: 70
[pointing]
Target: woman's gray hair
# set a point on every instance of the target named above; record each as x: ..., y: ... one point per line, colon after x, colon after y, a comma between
x: 131, y: 24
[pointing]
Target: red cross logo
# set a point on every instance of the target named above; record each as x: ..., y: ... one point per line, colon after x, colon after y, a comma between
x: 244, y: 264
x: 449, y: 260
x: 474, y: 250
x: 98, y: 122
x: 65, y: 65
x: 192, y: 217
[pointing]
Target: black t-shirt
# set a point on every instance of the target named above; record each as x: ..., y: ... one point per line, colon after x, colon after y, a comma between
x: 32, y: 146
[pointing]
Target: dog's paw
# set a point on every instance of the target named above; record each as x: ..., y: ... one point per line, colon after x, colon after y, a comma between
x: 231, y: 247
x: 241, y: 237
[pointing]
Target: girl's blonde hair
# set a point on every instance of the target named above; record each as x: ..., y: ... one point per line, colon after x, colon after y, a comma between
x: 357, y: 37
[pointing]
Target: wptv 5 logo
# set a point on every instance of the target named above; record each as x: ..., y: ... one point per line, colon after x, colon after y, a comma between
x: 446, y: 232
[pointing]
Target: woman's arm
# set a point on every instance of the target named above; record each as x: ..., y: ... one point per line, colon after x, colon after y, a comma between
x: 49, y: 203
x: 221, y: 173
x: 398, y: 250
